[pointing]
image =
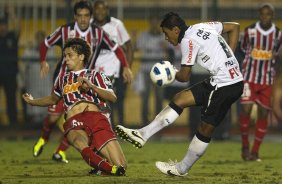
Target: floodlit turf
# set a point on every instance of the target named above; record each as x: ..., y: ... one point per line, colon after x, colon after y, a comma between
x: 221, y: 164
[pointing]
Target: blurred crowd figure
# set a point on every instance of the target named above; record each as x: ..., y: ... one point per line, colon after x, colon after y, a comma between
x: 261, y: 44
x: 30, y: 72
x: 9, y: 68
x: 154, y: 49
x: 107, y: 62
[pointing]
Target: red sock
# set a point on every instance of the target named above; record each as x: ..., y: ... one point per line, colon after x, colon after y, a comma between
x: 244, y: 128
x: 261, y: 128
x: 95, y: 160
x: 64, y: 145
x: 47, y: 128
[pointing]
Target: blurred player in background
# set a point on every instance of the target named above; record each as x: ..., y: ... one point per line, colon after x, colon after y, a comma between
x: 260, y: 43
x: 107, y: 62
x: 201, y: 43
x: 98, y: 40
x: 153, y: 48
x: 84, y: 93
x: 9, y: 67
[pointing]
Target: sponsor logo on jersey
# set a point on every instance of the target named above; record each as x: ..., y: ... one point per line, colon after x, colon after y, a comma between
x: 76, y: 123
x: 205, y: 58
x: 71, y: 88
x: 190, y: 51
x: 261, y: 54
x: 230, y: 63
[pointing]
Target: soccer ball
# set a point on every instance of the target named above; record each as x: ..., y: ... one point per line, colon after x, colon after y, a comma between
x: 163, y: 73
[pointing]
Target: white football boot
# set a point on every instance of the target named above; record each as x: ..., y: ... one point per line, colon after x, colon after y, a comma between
x: 169, y: 168
x: 130, y: 135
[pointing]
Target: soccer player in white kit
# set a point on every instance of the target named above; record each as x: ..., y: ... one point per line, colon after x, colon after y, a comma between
x: 201, y: 43
x: 107, y: 62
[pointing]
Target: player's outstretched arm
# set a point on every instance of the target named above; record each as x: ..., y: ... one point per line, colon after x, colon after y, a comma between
x: 233, y: 31
x: 43, y: 102
x: 44, y: 66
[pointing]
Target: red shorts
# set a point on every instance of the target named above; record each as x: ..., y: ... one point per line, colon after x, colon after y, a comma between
x: 56, y: 109
x: 95, y: 124
x: 257, y: 93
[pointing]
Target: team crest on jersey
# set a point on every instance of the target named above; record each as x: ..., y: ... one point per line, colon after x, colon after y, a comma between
x: 252, y: 33
x: 72, y: 34
x: 107, y: 80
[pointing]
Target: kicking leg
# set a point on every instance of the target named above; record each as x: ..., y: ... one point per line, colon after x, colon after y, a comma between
x: 166, y: 117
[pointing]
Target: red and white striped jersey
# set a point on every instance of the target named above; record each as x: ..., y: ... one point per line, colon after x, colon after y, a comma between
x: 96, y: 37
x: 260, y: 47
x: 68, y: 88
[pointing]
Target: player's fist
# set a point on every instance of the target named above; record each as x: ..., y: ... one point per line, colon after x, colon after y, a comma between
x: 84, y: 85
x: 27, y: 97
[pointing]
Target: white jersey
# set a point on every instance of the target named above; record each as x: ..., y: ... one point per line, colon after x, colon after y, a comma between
x: 203, y: 44
x: 107, y: 62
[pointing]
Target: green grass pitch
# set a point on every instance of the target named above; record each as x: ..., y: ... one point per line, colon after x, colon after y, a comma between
x: 221, y: 163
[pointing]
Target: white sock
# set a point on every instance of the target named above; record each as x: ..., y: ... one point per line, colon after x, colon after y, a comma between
x: 166, y: 117
x: 195, y: 151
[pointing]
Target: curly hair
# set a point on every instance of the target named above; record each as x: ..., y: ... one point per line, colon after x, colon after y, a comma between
x: 80, y: 47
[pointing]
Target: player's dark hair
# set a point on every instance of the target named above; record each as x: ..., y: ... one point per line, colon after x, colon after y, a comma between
x: 97, y: 2
x: 80, y: 47
x: 81, y: 5
x: 266, y: 5
x: 171, y: 20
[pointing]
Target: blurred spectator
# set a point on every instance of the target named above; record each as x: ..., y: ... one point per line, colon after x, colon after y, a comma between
x: 261, y: 43
x: 107, y: 62
x: 9, y: 68
x: 30, y: 73
x: 153, y: 47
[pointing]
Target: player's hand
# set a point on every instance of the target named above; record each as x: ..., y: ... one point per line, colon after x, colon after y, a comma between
x: 44, y: 69
x: 27, y: 98
x: 85, y: 84
x: 127, y: 75
x: 277, y: 102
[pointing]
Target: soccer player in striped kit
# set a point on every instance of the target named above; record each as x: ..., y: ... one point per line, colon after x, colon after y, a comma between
x: 84, y: 93
x: 98, y: 40
x: 260, y: 43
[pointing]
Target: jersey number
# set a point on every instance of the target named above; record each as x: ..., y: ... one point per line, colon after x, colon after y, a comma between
x: 224, y: 47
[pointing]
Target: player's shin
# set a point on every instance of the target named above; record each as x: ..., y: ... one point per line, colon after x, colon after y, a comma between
x: 95, y: 160
x: 196, y: 149
x: 47, y: 128
x: 166, y: 117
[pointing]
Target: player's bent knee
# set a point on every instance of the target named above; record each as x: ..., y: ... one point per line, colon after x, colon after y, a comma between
x: 184, y: 99
x: 76, y: 139
x: 206, y: 129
